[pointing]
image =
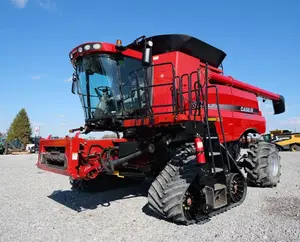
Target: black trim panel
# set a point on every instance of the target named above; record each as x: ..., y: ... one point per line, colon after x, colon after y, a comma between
x: 185, y: 44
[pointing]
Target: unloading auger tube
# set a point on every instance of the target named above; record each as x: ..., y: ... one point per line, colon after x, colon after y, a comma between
x: 278, y: 100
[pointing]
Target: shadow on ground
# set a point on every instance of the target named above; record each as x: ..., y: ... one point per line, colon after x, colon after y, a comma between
x: 81, y: 201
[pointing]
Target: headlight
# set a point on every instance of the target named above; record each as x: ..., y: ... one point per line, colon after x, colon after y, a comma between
x: 96, y: 46
x: 80, y: 49
x: 87, y: 47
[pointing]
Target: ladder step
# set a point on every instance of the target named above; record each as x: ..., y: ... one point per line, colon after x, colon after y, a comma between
x: 219, y: 169
x: 214, y: 153
x: 212, y: 137
x: 219, y: 186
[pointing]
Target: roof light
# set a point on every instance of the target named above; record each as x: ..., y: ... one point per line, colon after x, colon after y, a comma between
x: 96, y: 46
x: 80, y: 49
x: 119, y: 42
x: 87, y: 47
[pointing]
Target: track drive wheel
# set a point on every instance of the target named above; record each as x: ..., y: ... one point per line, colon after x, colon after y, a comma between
x: 237, y: 186
x: 262, y: 165
x: 174, y: 194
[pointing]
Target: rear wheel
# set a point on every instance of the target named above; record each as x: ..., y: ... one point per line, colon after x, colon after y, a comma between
x: 295, y: 147
x: 262, y: 165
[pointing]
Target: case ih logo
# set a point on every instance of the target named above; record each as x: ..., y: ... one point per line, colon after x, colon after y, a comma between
x: 247, y: 110
x: 226, y: 107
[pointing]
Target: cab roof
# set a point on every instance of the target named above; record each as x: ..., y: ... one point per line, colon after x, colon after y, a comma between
x: 186, y: 44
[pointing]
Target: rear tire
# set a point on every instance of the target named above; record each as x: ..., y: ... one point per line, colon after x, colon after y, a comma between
x: 295, y: 147
x: 262, y: 165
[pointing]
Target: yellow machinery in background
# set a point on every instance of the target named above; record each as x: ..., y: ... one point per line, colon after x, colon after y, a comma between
x: 285, y: 140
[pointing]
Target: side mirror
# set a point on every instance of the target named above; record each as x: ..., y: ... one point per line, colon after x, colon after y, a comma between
x: 74, y: 82
x: 147, y: 53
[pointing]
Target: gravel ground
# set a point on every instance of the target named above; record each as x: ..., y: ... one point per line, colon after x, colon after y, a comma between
x: 39, y: 206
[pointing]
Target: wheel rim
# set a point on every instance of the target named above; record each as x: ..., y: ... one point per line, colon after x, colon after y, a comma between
x: 192, y: 202
x: 295, y: 148
x: 274, y: 166
x: 237, y: 188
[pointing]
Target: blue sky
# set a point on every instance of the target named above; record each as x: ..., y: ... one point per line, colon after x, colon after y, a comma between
x: 261, y: 39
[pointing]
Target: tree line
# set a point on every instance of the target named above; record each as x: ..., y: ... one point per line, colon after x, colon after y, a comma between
x: 20, y: 128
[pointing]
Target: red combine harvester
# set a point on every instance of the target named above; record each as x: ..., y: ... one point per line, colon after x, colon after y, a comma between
x: 181, y: 119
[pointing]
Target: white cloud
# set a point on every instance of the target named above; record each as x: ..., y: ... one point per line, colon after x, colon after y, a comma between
x: 47, y: 4
x: 36, y: 77
x: 268, y: 106
x: 19, y: 3
x: 69, y: 79
x: 34, y: 124
x: 62, y: 120
x: 292, y: 121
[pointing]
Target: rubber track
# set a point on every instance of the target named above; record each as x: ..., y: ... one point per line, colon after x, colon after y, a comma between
x: 167, y: 190
x: 165, y: 179
x: 156, y: 190
x: 173, y: 195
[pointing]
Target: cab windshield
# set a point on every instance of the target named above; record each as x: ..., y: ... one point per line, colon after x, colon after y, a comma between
x: 104, y: 80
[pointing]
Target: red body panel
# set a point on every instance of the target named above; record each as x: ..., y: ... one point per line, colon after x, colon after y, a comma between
x: 235, y: 123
